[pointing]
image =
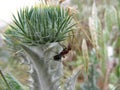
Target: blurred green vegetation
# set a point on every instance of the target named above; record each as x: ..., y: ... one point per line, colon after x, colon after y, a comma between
x: 13, y: 71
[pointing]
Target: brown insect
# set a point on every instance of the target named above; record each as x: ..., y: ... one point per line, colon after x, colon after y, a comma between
x: 62, y: 53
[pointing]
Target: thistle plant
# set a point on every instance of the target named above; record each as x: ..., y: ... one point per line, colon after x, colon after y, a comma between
x: 42, y: 24
x: 37, y: 30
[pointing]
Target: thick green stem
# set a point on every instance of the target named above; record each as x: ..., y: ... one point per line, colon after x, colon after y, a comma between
x: 48, y: 72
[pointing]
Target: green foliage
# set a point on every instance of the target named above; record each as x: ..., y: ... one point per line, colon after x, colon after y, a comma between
x: 2, y: 84
x: 10, y: 40
x: 117, y: 86
x: 110, y: 17
x: 41, y: 24
x: 117, y: 71
x: 91, y: 80
x: 9, y: 82
x: 13, y: 82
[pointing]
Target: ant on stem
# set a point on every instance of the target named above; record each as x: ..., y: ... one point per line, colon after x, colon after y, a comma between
x: 62, y: 53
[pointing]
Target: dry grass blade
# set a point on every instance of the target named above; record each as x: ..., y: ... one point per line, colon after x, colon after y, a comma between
x: 85, y: 54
